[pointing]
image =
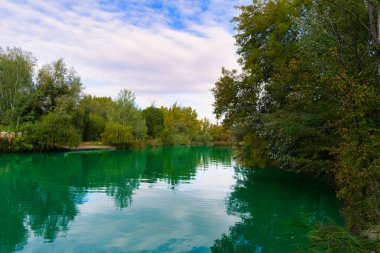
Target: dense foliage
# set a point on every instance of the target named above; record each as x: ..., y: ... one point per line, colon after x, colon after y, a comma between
x: 309, y: 96
x: 118, y: 135
x: 16, y: 85
x: 52, y: 131
x: 154, y: 119
x: 46, y: 110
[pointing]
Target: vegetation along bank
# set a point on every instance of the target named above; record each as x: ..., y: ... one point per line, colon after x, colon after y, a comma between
x: 309, y: 98
x: 49, y: 111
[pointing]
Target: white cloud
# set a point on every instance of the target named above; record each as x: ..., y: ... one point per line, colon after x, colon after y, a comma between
x: 136, y: 48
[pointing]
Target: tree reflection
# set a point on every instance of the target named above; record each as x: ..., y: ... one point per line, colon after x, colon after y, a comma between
x: 32, y: 202
x: 270, y: 204
x: 40, y: 193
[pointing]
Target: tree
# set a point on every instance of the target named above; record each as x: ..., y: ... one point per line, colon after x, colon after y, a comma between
x: 203, y: 136
x: 53, y: 131
x: 219, y: 134
x: 16, y: 85
x: 181, y: 125
x: 125, y: 112
x: 309, y: 94
x: 154, y: 119
x: 91, y: 116
x: 58, y: 88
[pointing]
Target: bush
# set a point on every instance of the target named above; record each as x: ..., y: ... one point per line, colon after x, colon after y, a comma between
x: 332, y: 238
x: 154, y: 143
x: 203, y: 139
x: 14, y: 139
x: 53, y: 131
x: 178, y: 139
x: 18, y: 144
x: 117, y: 135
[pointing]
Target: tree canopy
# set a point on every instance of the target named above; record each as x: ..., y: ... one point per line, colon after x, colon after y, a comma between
x: 308, y: 96
x: 46, y: 109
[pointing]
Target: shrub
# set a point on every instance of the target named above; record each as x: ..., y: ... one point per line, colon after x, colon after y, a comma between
x: 178, y: 139
x: 202, y: 139
x: 53, y: 131
x: 153, y: 143
x: 117, y: 135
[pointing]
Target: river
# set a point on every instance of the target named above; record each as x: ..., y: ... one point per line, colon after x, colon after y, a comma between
x: 175, y: 199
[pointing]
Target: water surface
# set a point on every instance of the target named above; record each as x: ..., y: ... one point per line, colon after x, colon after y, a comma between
x: 183, y: 199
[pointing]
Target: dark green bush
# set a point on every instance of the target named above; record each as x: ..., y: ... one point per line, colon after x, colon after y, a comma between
x: 53, y: 131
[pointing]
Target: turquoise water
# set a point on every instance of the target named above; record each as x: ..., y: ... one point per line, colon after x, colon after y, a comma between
x: 182, y: 199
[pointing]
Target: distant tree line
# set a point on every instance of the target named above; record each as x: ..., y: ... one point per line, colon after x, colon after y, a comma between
x: 46, y: 109
x: 308, y: 98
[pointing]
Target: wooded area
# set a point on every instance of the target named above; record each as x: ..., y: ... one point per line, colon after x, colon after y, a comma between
x: 48, y: 110
x: 308, y: 97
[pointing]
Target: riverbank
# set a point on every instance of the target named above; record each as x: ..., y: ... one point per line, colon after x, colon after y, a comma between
x: 86, y: 146
x: 19, y: 145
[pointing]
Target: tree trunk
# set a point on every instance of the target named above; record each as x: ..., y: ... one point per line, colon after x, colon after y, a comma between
x: 378, y: 38
x: 372, y: 25
x: 374, y: 22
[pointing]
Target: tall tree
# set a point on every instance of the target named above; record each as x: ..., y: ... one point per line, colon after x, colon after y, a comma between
x: 154, y: 119
x: 58, y: 88
x: 91, y: 116
x: 181, y: 125
x: 126, y: 113
x: 16, y: 85
x: 309, y: 94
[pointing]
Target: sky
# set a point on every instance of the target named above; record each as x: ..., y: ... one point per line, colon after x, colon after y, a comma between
x: 165, y: 51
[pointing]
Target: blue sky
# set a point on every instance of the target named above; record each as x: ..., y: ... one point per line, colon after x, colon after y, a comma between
x: 165, y: 51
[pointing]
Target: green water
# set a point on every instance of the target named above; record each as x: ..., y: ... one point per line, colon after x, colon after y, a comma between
x: 159, y: 200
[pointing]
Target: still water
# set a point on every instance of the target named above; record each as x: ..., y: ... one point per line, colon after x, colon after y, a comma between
x: 183, y: 199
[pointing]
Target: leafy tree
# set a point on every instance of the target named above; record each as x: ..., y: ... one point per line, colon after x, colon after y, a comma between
x: 280, y: 98
x: 53, y: 131
x: 356, y: 75
x: 219, y: 133
x: 118, y: 135
x: 95, y: 127
x: 125, y: 112
x: 181, y: 125
x: 91, y: 116
x: 309, y: 94
x: 203, y: 137
x: 154, y: 119
x: 58, y: 88
x: 16, y: 85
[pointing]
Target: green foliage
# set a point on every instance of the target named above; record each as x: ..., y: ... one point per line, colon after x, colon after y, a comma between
x: 203, y: 136
x: 220, y: 134
x: 54, y: 95
x: 16, y: 85
x: 177, y: 139
x: 154, y: 119
x: 118, y: 135
x: 125, y: 112
x: 58, y: 89
x: 181, y: 125
x: 335, y: 239
x: 18, y: 144
x: 53, y: 131
x: 233, y: 99
x: 91, y: 116
x: 309, y: 95
x: 95, y: 127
